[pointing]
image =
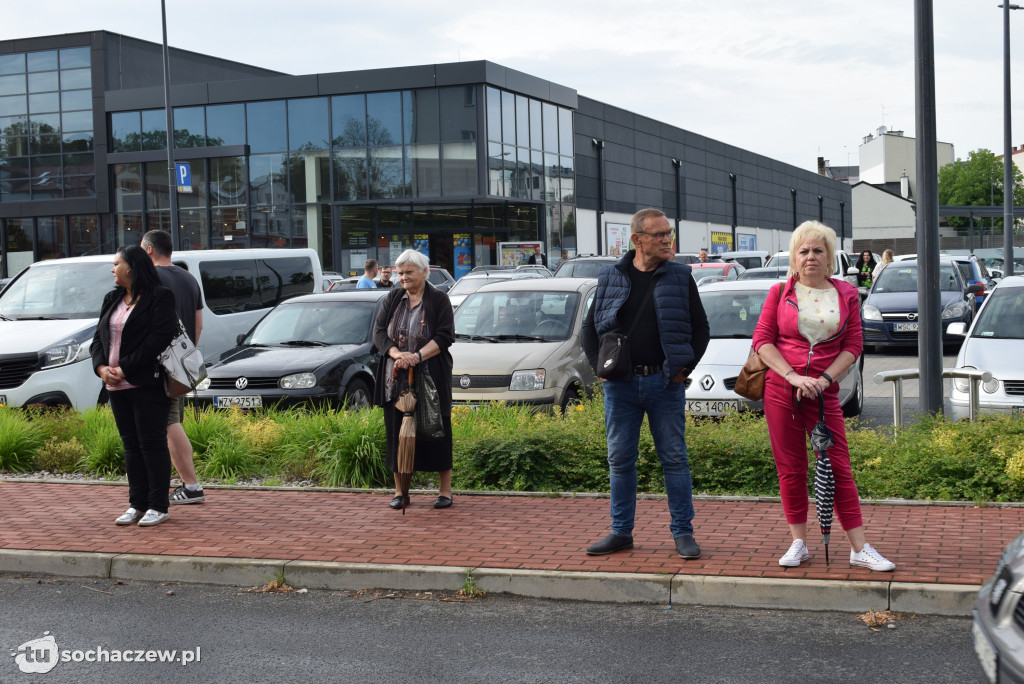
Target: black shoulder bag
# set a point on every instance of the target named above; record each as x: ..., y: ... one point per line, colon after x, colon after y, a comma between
x: 613, y: 348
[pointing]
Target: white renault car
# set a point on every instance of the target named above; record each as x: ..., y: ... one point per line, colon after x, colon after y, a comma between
x: 994, y: 343
x: 732, y: 308
x: 519, y: 341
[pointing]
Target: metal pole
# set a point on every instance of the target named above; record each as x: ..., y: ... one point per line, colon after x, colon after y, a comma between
x: 1007, y: 148
x: 172, y: 177
x: 677, y: 163
x: 735, y: 218
x: 929, y: 303
x: 599, y: 144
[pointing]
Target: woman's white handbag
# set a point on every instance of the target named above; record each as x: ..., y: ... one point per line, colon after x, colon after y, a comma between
x: 183, y: 365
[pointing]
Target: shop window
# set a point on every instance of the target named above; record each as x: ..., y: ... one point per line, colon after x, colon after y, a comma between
x: 154, y: 129
x: 348, y: 120
x: 384, y: 119
x: 189, y: 127
x: 266, y: 126
x: 307, y: 124
x: 225, y: 125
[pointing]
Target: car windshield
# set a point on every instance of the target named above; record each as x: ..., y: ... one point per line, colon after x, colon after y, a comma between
x: 733, y: 313
x: 467, y: 285
x: 59, y: 291
x: 1000, y: 317
x: 314, y: 324
x: 517, y: 316
x: 581, y: 269
x: 900, y: 277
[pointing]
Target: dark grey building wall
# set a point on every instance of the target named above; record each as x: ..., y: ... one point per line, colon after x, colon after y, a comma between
x: 638, y: 172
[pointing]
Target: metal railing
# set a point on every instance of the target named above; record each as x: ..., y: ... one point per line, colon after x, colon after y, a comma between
x: 896, y: 377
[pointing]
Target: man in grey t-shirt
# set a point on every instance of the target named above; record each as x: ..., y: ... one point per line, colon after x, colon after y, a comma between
x: 188, y: 300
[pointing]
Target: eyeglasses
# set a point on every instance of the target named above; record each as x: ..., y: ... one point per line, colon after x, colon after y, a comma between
x: 663, y: 235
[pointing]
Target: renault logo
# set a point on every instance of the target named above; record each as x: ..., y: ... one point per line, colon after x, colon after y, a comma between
x: 464, y: 382
x: 240, y: 383
x: 707, y: 382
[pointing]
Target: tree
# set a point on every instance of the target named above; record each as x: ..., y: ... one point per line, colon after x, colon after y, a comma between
x: 978, y: 181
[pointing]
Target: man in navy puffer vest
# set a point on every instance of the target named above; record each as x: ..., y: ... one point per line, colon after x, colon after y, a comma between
x: 669, y: 340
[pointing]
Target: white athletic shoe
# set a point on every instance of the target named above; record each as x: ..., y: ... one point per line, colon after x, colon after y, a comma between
x: 871, y: 559
x: 796, y: 555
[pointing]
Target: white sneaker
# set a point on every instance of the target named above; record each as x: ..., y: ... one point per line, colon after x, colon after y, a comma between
x: 796, y: 555
x: 129, y: 517
x: 871, y: 559
x: 153, y: 517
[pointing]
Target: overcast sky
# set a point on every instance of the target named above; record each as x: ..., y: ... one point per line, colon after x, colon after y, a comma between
x: 792, y: 80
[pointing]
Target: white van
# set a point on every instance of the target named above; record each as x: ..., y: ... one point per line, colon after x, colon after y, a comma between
x: 48, y: 315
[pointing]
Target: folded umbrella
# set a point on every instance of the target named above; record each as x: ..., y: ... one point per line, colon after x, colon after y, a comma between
x: 824, y: 480
x: 406, y: 404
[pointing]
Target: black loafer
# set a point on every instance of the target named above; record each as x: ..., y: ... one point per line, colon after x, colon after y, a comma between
x: 687, y: 547
x: 610, y: 544
x: 396, y: 503
x: 443, y: 502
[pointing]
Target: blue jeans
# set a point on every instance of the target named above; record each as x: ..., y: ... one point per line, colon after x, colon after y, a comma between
x: 626, y: 401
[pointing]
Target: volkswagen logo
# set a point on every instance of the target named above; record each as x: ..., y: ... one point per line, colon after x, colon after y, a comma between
x: 240, y: 383
x: 464, y: 382
x: 912, y: 316
x: 707, y: 382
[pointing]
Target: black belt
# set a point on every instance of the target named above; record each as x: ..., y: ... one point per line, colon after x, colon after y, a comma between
x: 646, y: 370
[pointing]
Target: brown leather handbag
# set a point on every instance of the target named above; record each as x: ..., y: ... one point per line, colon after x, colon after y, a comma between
x: 750, y: 382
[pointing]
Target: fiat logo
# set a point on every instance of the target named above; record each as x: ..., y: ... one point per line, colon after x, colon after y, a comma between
x: 464, y: 382
x: 240, y: 383
x: 707, y: 382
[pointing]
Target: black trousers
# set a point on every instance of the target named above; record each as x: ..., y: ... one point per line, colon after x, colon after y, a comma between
x: 141, y: 417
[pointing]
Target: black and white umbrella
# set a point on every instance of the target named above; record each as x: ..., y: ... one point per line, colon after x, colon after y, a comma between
x: 824, y: 480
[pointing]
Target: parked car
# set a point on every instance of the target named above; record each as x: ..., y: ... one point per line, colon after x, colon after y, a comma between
x: 890, y: 311
x: 584, y: 266
x: 519, y: 341
x: 764, y: 273
x: 438, y: 277
x: 733, y: 308
x: 694, y: 257
x: 748, y: 258
x: 345, y: 284
x: 314, y: 349
x: 331, y: 279
x: 974, y: 271
x: 842, y: 267
x: 471, y: 282
x: 998, y: 618
x: 722, y: 270
x: 539, y: 269
x: 49, y: 312
x: 994, y: 343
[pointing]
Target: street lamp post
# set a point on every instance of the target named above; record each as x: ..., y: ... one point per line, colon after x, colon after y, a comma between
x: 172, y: 177
x: 1007, y: 146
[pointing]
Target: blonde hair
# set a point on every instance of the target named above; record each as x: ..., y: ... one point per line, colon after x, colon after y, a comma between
x: 887, y: 256
x: 812, y: 230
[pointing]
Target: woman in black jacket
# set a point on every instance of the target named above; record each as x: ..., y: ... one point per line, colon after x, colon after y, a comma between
x: 137, y: 322
x: 414, y: 329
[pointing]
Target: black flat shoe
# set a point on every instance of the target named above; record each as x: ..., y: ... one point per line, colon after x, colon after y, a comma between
x: 396, y: 503
x: 443, y: 502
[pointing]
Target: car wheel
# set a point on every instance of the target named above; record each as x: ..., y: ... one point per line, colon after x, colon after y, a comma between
x: 855, y: 402
x: 356, y: 395
x: 571, y: 397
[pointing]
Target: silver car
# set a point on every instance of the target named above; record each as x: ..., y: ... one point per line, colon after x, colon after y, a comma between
x: 733, y: 308
x: 994, y: 343
x: 519, y: 341
x: 998, y: 630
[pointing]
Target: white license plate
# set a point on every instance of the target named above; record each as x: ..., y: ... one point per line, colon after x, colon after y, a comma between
x: 252, y: 401
x: 905, y: 327
x: 986, y: 653
x: 700, y: 407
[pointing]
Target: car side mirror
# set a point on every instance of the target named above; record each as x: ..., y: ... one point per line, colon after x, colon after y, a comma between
x: 241, y: 336
x: 853, y: 270
x: 957, y: 328
x: 995, y: 273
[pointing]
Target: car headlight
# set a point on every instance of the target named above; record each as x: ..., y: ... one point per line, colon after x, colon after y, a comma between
x: 963, y: 384
x: 68, y: 350
x: 870, y: 312
x: 298, y: 381
x: 527, y: 380
x: 204, y: 384
x: 954, y: 310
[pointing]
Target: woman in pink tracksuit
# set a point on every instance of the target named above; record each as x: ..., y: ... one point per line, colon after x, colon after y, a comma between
x: 809, y: 335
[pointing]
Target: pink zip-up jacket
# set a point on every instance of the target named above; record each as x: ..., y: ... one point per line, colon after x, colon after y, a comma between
x: 779, y: 325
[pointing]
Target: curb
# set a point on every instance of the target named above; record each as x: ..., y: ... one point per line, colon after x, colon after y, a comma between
x: 604, y: 587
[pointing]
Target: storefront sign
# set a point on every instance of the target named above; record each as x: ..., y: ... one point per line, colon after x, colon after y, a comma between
x: 516, y: 253
x: 720, y: 242
x: 746, y: 242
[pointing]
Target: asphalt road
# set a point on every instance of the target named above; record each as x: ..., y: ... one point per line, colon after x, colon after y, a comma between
x: 327, y: 636
x: 878, y: 400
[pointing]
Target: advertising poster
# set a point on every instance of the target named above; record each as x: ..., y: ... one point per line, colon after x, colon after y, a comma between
x: 421, y: 243
x: 516, y: 253
x: 617, y: 238
x: 463, y: 256
x: 720, y: 242
x: 395, y: 249
x: 746, y: 242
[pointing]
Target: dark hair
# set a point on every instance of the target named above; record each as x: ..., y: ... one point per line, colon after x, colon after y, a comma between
x: 159, y: 241
x: 144, y: 277
x: 370, y: 263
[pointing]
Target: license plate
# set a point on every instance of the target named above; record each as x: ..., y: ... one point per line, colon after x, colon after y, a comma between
x: 248, y: 402
x: 905, y: 327
x: 986, y: 653
x: 700, y: 407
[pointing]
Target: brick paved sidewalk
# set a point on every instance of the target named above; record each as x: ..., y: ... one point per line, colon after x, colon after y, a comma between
x: 934, y: 544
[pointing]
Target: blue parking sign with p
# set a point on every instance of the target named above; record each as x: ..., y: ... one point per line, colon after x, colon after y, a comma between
x: 183, y: 170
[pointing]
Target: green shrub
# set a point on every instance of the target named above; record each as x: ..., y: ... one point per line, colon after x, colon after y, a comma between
x: 228, y: 458
x: 103, y: 446
x: 19, y: 439
x: 60, y: 456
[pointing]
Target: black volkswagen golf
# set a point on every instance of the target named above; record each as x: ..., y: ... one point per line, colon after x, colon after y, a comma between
x: 312, y: 349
